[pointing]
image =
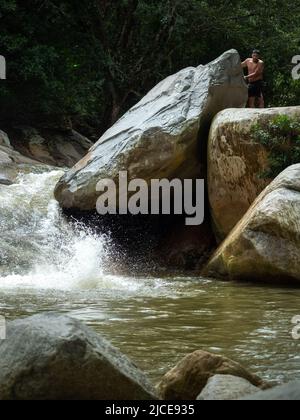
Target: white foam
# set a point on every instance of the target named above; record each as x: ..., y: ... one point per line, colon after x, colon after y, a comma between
x: 39, y: 248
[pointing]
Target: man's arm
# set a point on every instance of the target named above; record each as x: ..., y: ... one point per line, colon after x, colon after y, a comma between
x: 258, y: 72
x: 245, y: 63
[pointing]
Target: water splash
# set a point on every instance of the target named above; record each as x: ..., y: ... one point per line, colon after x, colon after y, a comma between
x: 40, y: 249
x: 38, y: 246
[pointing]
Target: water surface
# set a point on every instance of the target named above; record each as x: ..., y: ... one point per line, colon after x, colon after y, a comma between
x: 48, y: 264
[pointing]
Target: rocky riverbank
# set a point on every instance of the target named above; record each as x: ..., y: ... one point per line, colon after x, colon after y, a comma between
x: 26, y: 148
x: 54, y: 357
x: 185, y: 127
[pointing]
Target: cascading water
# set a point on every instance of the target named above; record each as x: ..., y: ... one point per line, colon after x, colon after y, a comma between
x: 48, y: 263
x: 40, y: 249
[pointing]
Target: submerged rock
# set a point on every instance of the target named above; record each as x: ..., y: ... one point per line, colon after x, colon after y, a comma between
x: 161, y: 136
x: 226, y: 387
x: 265, y: 244
x: 54, y: 357
x: 187, y: 380
x: 5, y: 180
x: 235, y: 163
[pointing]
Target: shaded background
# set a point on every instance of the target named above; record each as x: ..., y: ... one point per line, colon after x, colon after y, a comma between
x: 83, y: 63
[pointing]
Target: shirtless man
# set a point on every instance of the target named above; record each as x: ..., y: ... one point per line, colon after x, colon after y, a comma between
x: 255, y: 76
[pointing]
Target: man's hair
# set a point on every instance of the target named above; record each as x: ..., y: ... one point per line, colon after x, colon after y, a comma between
x: 256, y: 52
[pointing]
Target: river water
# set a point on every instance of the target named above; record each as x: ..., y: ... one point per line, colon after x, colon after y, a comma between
x: 48, y: 264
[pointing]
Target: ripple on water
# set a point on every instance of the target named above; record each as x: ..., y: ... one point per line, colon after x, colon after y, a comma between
x: 50, y: 265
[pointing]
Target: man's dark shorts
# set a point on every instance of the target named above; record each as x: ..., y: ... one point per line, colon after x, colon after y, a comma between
x: 255, y: 89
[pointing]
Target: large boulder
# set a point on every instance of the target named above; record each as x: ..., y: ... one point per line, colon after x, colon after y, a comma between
x: 52, y: 147
x: 54, y: 357
x: 226, y: 388
x: 264, y: 246
x: 159, y: 137
x: 187, y: 380
x: 288, y: 392
x: 235, y: 163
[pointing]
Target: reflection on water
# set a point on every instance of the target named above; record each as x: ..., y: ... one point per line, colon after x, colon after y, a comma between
x: 157, y: 322
x: 47, y: 264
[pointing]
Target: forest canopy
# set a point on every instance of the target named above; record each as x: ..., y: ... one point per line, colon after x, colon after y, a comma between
x: 87, y: 61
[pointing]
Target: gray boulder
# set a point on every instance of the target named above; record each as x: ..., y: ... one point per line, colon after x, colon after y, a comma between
x: 11, y: 157
x: 54, y: 357
x: 52, y: 147
x: 159, y: 137
x: 288, y: 392
x: 264, y: 245
x: 12, y: 163
x: 226, y: 388
x: 235, y: 161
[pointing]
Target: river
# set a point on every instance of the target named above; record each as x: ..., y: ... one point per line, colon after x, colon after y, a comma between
x: 48, y: 264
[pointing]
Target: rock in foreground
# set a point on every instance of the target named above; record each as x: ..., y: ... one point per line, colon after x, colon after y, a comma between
x: 235, y: 163
x: 226, y: 388
x: 53, y: 357
x: 159, y: 137
x: 187, y: 380
x: 265, y: 245
x: 289, y: 392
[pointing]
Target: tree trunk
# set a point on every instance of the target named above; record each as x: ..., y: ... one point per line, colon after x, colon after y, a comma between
x: 115, y: 112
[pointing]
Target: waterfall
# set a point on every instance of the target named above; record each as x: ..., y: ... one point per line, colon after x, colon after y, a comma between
x: 39, y: 247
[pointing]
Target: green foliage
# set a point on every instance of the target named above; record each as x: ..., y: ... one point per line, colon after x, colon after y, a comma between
x: 286, y: 91
x: 90, y: 60
x: 281, y: 138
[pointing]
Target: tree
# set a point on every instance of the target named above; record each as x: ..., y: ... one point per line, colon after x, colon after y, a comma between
x: 88, y: 61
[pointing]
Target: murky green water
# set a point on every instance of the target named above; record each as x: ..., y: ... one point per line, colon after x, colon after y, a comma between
x: 48, y: 265
x: 156, y: 322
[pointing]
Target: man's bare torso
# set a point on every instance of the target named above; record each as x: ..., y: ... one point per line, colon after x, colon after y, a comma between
x: 255, y: 67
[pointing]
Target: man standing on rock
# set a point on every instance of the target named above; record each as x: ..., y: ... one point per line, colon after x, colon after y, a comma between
x: 255, y: 76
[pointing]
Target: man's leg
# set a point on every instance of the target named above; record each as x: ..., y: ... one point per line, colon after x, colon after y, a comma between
x: 251, y: 102
x: 261, y: 101
x: 251, y: 95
